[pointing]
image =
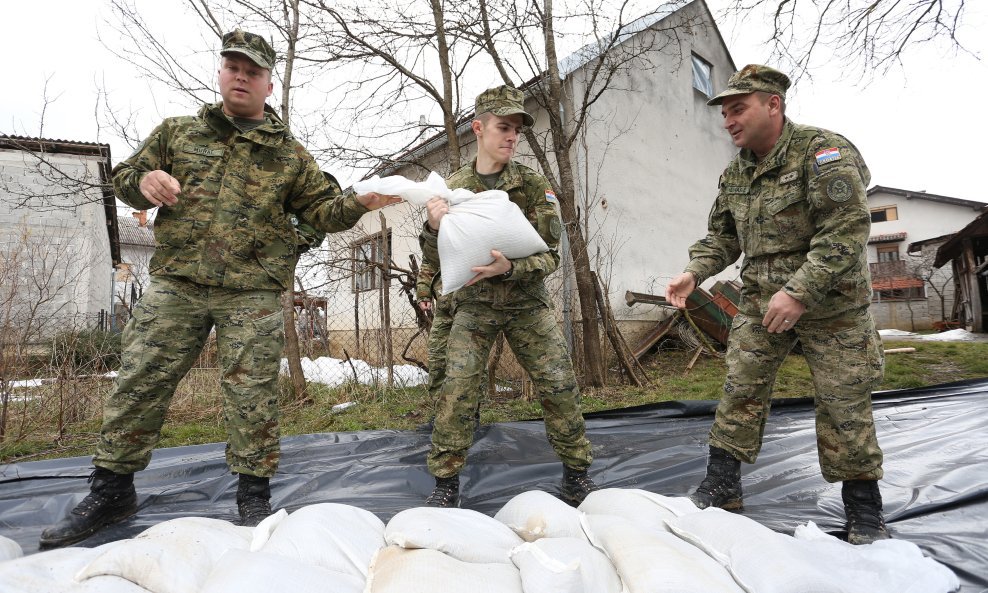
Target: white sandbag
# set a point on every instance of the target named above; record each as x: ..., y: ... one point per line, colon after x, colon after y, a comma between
x: 463, y: 534
x: 333, y: 536
x: 474, y: 225
x: 54, y: 571
x: 414, y: 192
x: 812, y: 563
x: 9, y: 549
x: 535, y: 514
x: 653, y: 561
x: 565, y: 565
x: 262, y: 532
x: 257, y: 572
x: 472, y: 228
x: 175, y: 556
x: 641, y: 507
x: 397, y: 570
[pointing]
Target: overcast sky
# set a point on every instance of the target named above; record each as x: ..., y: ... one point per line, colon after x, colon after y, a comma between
x: 920, y: 127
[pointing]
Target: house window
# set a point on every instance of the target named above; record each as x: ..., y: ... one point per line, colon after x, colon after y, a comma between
x: 367, y: 260
x: 701, y: 76
x: 912, y: 293
x: 887, y: 253
x: 884, y: 214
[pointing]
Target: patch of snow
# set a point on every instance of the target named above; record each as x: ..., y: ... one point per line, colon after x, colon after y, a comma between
x: 954, y: 335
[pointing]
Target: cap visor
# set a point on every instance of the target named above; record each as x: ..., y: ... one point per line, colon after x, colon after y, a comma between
x: 717, y: 100
x: 251, y: 55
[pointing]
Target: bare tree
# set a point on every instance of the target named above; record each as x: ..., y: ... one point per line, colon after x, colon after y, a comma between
x: 567, y: 92
x: 394, y: 58
x: 920, y: 266
x: 872, y: 35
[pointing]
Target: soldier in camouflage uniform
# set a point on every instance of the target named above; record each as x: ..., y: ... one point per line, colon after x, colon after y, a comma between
x: 793, y: 202
x: 226, y: 183
x: 509, y: 296
x: 427, y: 288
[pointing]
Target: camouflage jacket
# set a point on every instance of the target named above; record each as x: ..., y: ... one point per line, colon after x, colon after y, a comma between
x: 531, y: 191
x: 232, y: 225
x: 801, y: 218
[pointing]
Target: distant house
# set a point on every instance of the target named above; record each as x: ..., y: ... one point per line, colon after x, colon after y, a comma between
x: 646, y: 169
x: 133, y: 273
x: 58, y: 234
x: 907, y: 227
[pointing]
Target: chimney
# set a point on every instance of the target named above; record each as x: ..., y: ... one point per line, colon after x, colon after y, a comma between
x: 142, y: 218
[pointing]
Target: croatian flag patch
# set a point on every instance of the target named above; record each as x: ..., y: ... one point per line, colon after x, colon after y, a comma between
x: 550, y: 196
x: 827, y: 155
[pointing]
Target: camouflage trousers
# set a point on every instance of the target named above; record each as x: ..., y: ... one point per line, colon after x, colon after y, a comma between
x: 846, y: 361
x: 442, y: 322
x: 162, y: 341
x: 538, y: 344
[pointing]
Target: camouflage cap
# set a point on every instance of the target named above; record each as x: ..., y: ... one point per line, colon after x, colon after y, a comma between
x: 251, y: 45
x: 753, y: 78
x: 503, y: 100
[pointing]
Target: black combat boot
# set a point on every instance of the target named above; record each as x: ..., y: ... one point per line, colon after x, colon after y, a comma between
x: 863, y: 508
x: 576, y: 485
x: 446, y: 494
x: 111, y: 499
x: 722, y: 486
x: 253, y: 499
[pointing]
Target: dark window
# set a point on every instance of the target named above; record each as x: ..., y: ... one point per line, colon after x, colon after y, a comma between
x: 885, y: 214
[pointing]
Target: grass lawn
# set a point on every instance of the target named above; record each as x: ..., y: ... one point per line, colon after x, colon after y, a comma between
x: 196, y: 417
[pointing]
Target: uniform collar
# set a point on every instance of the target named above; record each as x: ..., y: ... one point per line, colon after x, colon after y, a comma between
x: 509, y: 179
x: 270, y: 133
x: 775, y: 158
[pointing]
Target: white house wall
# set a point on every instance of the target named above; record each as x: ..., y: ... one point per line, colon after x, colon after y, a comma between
x: 920, y: 219
x: 69, y: 229
x: 654, y: 156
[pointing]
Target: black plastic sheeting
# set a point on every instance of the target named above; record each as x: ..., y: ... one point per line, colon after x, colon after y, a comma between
x: 935, y: 488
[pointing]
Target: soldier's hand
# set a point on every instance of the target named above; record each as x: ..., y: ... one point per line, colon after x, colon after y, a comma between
x: 499, y: 266
x: 160, y: 188
x: 373, y: 200
x: 680, y: 288
x: 437, y: 208
x: 425, y: 306
x: 783, y: 313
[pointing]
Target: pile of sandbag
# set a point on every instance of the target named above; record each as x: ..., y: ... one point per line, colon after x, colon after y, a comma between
x: 474, y: 225
x: 617, y: 541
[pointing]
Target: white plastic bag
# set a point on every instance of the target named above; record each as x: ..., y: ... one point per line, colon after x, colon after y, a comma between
x: 565, y: 565
x: 536, y: 514
x: 333, y: 536
x: 397, y: 570
x: 463, y: 534
x: 171, y: 557
x: 474, y: 225
x: 256, y: 572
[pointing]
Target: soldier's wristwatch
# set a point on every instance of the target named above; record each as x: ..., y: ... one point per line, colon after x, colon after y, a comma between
x: 510, y: 271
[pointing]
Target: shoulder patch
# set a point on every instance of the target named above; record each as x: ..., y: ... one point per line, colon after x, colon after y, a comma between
x: 550, y: 196
x: 839, y: 189
x: 827, y: 155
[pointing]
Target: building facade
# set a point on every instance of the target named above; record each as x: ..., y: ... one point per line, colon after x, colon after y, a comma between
x: 907, y: 227
x: 58, y: 235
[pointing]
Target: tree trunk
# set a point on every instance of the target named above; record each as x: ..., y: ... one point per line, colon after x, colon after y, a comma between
x: 291, y: 347
x: 593, y: 358
x: 449, y: 117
